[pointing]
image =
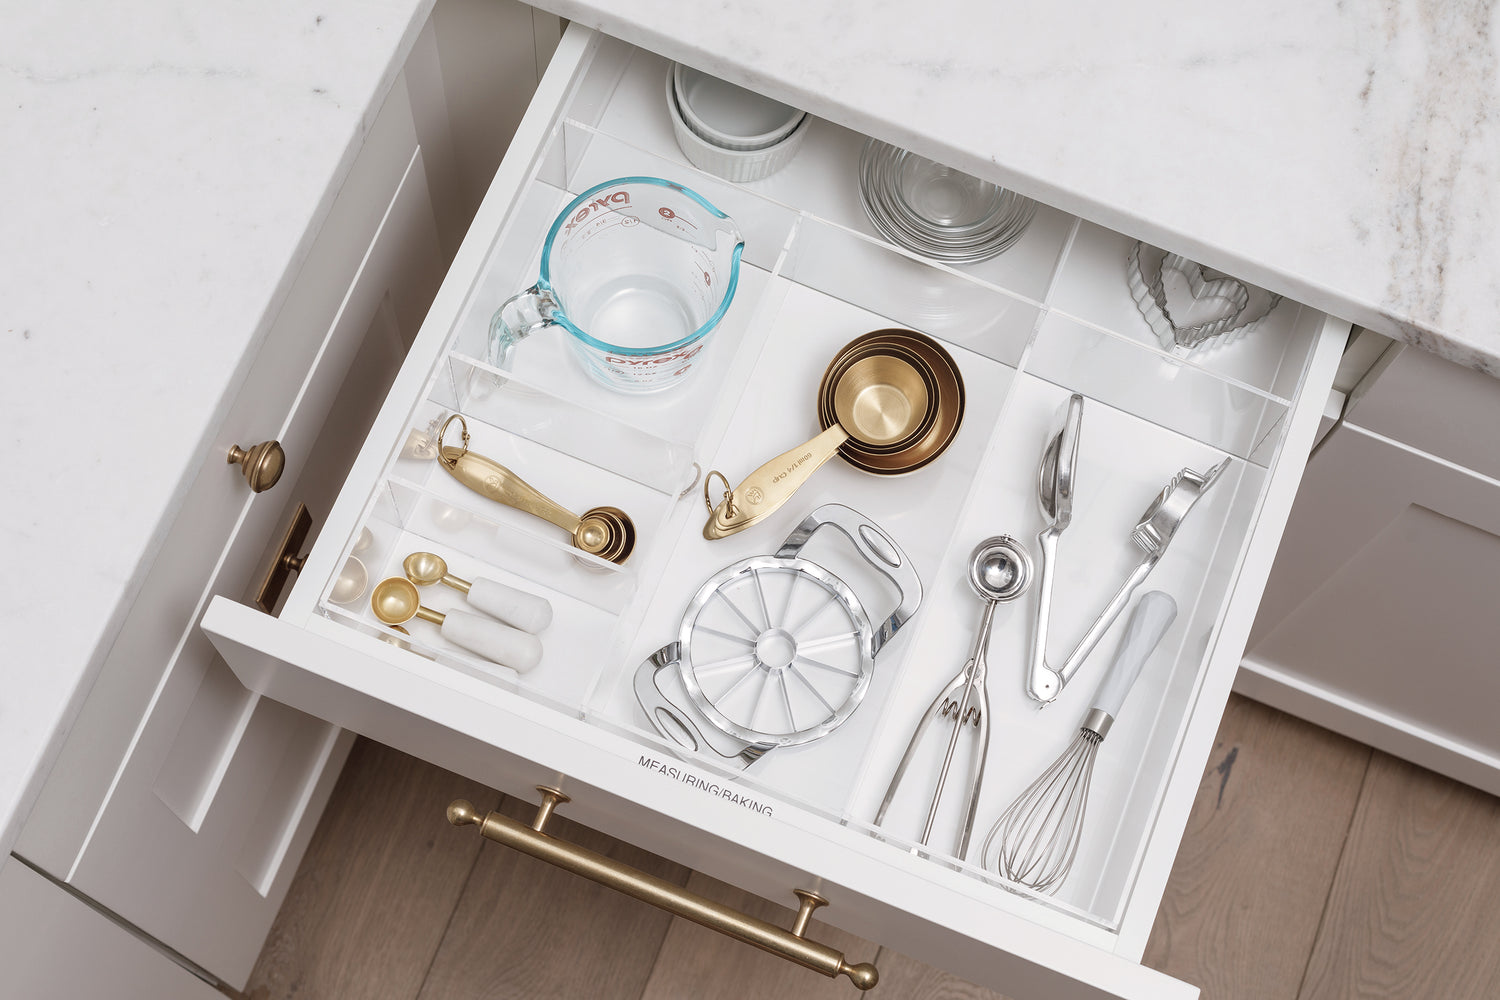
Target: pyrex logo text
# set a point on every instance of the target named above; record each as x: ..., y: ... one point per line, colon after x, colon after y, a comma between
x: 605, y: 202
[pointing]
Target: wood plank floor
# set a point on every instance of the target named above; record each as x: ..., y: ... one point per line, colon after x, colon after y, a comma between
x: 1312, y: 868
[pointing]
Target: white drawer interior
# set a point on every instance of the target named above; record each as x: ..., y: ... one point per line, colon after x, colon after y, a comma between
x: 1049, y: 317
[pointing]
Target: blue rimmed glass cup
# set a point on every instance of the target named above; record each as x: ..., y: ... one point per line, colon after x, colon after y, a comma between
x: 638, y: 271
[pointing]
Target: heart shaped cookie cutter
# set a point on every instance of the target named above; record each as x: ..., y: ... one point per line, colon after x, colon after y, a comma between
x: 1145, y: 273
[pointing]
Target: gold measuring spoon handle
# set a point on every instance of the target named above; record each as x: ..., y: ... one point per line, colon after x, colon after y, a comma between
x: 771, y: 485
x: 490, y: 479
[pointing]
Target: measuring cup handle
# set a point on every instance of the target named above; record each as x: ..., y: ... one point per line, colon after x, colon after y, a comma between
x: 518, y: 317
x: 878, y: 549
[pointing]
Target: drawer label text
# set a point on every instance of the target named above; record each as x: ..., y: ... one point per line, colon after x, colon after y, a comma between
x: 704, y: 785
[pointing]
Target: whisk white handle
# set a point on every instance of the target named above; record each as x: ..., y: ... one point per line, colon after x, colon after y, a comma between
x: 516, y: 608
x: 1153, y: 615
x: 507, y: 646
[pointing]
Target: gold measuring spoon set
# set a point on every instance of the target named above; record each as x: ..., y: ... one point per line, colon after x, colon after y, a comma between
x: 606, y: 532
x: 505, y: 636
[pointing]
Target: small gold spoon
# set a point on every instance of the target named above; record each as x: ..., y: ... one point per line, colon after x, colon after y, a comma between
x: 516, y: 608
x: 395, y: 602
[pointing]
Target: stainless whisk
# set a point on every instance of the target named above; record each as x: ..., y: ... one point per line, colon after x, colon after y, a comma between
x: 1035, y: 840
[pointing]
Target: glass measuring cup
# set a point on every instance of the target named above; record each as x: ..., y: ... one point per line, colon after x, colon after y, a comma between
x: 638, y: 271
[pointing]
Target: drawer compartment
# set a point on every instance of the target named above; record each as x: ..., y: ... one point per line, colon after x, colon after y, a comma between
x: 1050, y: 317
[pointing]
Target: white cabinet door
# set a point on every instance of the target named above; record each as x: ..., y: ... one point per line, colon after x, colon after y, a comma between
x: 222, y: 787
x: 183, y: 801
x: 55, y: 947
x: 1379, y: 619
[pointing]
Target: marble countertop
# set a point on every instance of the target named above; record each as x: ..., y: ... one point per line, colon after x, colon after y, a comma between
x: 167, y: 164
x: 164, y: 165
x: 1344, y: 154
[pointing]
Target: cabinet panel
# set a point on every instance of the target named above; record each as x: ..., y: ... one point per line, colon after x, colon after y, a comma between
x: 55, y: 947
x: 1448, y: 411
x: 221, y: 789
x: 1379, y: 619
x: 216, y: 542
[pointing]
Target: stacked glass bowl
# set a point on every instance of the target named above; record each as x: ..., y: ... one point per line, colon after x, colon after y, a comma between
x: 936, y: 211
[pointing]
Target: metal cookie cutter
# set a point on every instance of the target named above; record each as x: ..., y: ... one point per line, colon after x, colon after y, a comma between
x: 1244, y: 306
x: 775, y: 650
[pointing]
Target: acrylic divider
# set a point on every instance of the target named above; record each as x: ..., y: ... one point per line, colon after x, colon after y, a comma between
x: 627, y: 98
x: 585, y: 597
x: 810, y: 284
x: 1148, y: 414
x: 577, y: 158
x: 832, y: 286
x: 1092, y: 287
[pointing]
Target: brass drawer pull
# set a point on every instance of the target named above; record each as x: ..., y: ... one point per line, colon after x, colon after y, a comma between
x: 286, y: 561
x: 790, y: 945
x: 262, y: 464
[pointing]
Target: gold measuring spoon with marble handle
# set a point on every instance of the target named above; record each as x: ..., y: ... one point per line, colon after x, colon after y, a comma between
x: 606, y: 532
x: 515, y: 608
x: 395, y: 602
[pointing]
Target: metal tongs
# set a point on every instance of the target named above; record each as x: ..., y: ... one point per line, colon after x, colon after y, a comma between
x: 1054, y: 492
x: 1152, y: 534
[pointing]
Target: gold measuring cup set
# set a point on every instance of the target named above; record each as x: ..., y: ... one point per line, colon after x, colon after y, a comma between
x: 890, y: 402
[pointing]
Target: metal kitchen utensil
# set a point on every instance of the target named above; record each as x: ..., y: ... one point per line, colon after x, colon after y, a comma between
x: 1035, y: 840
x: 1244, y: 308
x: 1152, y: 535
x: 395, y: 602
x: 606, y: 532
x: 515, y: 608
x: 1055, y: 484
x: 882, y: 399
x: 775, y: 650
x: 999, y: 572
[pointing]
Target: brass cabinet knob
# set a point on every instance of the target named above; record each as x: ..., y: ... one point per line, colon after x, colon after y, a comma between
x: 262, y: 464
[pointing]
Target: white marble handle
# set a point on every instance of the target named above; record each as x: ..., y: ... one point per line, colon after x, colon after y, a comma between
x: 516, y: 608
x: 1153, y: 615
x: 507, y: 646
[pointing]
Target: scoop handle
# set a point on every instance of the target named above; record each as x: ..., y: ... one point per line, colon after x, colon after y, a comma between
x: 516, y: 608
x: 1153, y: 615
x: 504, y: 645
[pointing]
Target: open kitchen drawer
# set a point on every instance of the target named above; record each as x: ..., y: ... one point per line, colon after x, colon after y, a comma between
x: 1050, y: 317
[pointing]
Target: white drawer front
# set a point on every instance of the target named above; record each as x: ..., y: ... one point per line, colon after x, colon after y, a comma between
x: 1050, y: 317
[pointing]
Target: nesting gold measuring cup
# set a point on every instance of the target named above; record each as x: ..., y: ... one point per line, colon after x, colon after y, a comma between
x: 890, y: 402
x: 606, y: 532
